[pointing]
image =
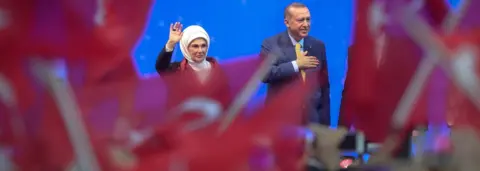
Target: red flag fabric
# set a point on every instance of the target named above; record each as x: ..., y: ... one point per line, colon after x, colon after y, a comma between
x: 117, y: 27
x: 189, y: 102
x: 16, y: 18
x: 388, y: 70
x: 151, y: 100
x: 153, y: 97
x: 268, y: 124
x: 402, y: 59
x: 359, y: 83
x: 16, y: 92
x: 17, y: 99
x: 6, y: 135
x: 46, y: 143
x: 462, y: 112
x: 260, y: 136
x: 99, y: 34
x: 469, y: 20
x: 64, y: 29
x: 201, y: 146
x: 123, y: 25
x: 183, y: 89
x: 17, y: 95
x: 60, y: 27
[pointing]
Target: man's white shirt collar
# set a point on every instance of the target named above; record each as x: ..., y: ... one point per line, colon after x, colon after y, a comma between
x: 294, y: 42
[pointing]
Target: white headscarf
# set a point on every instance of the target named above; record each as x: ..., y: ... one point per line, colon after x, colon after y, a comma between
x: 189, y: 34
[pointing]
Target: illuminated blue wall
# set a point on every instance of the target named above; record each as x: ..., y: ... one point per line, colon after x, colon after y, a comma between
x: 237, y: 28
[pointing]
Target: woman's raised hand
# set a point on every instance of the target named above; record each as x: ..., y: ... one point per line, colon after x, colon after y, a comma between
x: 175, y: 33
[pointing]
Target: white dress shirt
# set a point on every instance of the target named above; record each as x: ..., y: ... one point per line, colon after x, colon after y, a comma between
x: 294, y: 42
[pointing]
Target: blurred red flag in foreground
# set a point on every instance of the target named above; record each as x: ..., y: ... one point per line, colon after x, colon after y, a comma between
x: 91, y: 31
x: 359, y: 84
x: 462, y: 111
x: 469, y: 20
x: 390, y: 64
x: 153, y: 97
x: 95, y: 29
x: 183, y: 97
x: 259, y: 136
x: 53, y: 149
x: 16, y: 92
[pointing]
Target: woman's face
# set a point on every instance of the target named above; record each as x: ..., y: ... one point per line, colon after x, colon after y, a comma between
x: 198, y: 49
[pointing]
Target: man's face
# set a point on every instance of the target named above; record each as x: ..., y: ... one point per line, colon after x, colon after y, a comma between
x: 298, y: 23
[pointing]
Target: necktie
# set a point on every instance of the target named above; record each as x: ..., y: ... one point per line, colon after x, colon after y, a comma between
x: 298, y: 51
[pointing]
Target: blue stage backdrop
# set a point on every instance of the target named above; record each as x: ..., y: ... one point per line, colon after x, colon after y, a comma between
x: 237, y: 28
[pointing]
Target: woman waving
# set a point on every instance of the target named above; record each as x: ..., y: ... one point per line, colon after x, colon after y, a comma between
x: 194, y: 43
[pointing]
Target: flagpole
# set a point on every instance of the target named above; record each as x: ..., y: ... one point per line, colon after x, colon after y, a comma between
x: 70, y: 112
x: 247, y: 92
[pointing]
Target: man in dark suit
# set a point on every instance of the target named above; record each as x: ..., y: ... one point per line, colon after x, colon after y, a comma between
x: 299, y: 56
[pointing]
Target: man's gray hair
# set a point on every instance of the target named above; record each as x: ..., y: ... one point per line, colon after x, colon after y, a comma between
x: 286, y: 13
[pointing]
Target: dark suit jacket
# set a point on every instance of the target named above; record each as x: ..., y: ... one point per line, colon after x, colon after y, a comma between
x: 282, y: 73
x: 163, y: 63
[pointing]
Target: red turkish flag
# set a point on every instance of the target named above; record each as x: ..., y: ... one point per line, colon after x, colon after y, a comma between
x: 47, y: 145
x: 201, y: 146
x: 461, y: 110
x: 56, y: 150
x: 152, y: 98
x: 188, y: 101
x: 17, y: 100
x: 15, y: 19
x: 95, y: 36
x: 465, y: 46
x: 389, y: 60
x: 262, y: 137
x: 359, y: 84
x: 17, y: 96
x: 56, y: 30
x: 123, y: 25
x: 402, y: 59
x: 60, y: 28
x: 246, y: 143
x: 17, y: 90
x: 116, y: 28
x: 469, y: 20
x: 35, y: 132
x: 183, y: 90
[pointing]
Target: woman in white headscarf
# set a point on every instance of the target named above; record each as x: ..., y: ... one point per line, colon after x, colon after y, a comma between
x: 194, y: 43
x: 211, y: 80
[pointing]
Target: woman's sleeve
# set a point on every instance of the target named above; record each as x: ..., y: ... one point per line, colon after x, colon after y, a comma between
x: 163, y: 61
